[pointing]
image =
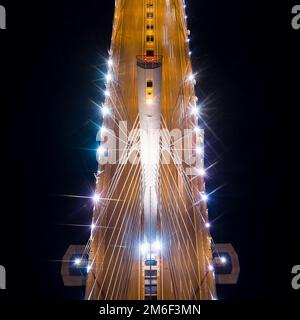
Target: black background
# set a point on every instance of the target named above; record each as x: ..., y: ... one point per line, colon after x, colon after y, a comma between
x: 247, y: 56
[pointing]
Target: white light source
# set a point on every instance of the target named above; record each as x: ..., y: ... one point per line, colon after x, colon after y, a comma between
x: 144, y: 248
x: 191, y: 77
x: 93, y: 226
x: 107, y: 93
x: 190, y: 53
x: 88, y: 268
x: 197, y: 129
x: 101, y: 151
x: 204, y: 197
x: 109, y: 77
x: 188, y: 40
x: 105, y: 111
x: 194, y: 110
x: 207, y: 225
x: 210, y: 268
x: 96, y: 198
x: 110, y: 62
x: 149, y: 101
x: 156, y: 245
x: 77, y: 261
x: 200, y: 150
x: 201, y: 172
x: 223, y: 260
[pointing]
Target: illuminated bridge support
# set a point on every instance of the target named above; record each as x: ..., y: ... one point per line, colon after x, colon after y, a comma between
x: 150, y: 238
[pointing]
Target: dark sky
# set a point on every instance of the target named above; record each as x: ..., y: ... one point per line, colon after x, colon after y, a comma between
x: 49, y: 55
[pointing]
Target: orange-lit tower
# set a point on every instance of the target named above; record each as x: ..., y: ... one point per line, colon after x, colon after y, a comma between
x: 150, y: 237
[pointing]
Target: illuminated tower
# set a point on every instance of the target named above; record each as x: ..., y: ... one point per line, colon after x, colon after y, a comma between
x: 150, y: 233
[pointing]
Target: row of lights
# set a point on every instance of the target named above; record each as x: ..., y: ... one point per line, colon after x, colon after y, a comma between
x: 109, y: 77
x: 195, y: 111
x: 187, y: 40
x: 79, y: 261
x: 105, y: 110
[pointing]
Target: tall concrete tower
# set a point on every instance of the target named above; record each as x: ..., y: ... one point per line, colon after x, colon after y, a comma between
x: 150, y: 238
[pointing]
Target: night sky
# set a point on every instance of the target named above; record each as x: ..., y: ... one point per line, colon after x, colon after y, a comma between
x: 50, y: 53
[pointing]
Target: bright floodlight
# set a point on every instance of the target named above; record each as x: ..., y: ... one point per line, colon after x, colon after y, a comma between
x: 108, y: 77
x: 204, y: 197
x: 101, y: 151
x: 223, y: 260
x: 96, y: 198
x: 77, y: 261
x: 144, y: 247
x: 187, y: 40
x: 191, y: 77
x: 197, y: 129
x: 88, y: 268
x: 190, y: 53
x: 194, y: 110
x: 200, y: 150
x: 107, y: 93
x: 207, y: 225
x: 156, y: 245
x: 93, y: 226
x: 149, y: 101
x: 105, y: 111
x: 110, y: 62
x: 210, y: 268
x: 201, y: 172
